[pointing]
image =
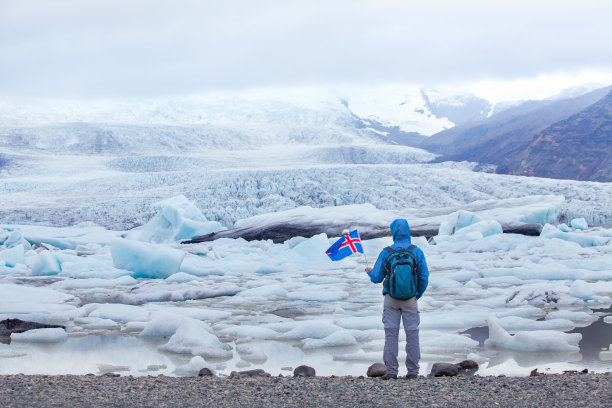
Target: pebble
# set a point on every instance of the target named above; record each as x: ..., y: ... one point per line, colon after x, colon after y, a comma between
x: 545, y: 390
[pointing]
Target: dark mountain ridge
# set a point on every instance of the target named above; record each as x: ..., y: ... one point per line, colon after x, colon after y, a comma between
x: 506, y: 139
x: 578, y: 148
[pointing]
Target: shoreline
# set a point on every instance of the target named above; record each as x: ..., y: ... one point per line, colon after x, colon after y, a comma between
x: 554, y: 390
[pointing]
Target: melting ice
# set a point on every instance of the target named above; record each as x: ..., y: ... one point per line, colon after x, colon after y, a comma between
x: 142, y: 303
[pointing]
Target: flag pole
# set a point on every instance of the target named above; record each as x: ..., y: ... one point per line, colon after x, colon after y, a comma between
x: 366, y: 259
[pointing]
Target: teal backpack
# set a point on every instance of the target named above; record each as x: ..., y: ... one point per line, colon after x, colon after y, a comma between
x: 401, y: 273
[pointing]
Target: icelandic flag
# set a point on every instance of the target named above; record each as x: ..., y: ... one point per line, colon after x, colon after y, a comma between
x: 347, y: 245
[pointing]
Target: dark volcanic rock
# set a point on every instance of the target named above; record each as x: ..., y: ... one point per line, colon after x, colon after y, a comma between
x: 531, y: 230
x: 377, y: 370
x: 9, y: 326
x: 304, y: 371
x: 282, y: 232
x: 467, y: 365
x: 205, y: 372
x: 444, y: 369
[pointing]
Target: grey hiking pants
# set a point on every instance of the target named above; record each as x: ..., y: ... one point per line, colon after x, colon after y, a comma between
x: 395, y: 310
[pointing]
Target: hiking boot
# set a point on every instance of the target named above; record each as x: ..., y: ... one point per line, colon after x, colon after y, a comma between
x: 389, y: 376
x: 411, y: 376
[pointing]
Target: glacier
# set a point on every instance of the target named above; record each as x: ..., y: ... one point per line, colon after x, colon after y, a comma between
x: 89, y: 199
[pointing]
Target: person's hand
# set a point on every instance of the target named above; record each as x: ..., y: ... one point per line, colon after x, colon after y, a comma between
x: 368, y: 269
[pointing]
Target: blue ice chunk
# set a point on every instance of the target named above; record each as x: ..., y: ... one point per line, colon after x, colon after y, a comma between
x: 458, y: 220
x: 548, y: 229
x: 146, y: 260
x: 12, y: 256
x: 547, y: 215
x: 579, y: 238
x: 56, y: 242
x: 177, y: 219
x: 486, y: 228
x: 564, y: 228
x: 579, y: 224
x: 15, y: 238
x: 46, y: 263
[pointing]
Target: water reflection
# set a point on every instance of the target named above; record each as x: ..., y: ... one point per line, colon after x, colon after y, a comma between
x: 596, y: 339
x: 132, y: 355
x: 83, y: 355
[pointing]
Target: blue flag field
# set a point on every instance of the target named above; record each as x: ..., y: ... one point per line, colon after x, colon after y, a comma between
x: 347, y: 245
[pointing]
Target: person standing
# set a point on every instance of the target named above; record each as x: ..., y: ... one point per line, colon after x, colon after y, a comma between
x: 403, y: 268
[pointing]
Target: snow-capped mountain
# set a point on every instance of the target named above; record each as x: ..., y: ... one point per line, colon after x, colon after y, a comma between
x: 241, y: 155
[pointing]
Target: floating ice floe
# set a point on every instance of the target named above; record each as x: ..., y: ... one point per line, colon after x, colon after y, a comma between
x: 53, y: 335
x: 251, y: 354
x: 96, y: 323
x: 165, y: 324
x: 584, y: 318
x: 513, y: 324
x: 13, y: 255
x: 177, y: 219
x: 339, y: 338
x: 117, y: 312
x: 261, y: 295
x: 146, y: 260
x: 552, y: 232
x: 530, y: 341
x: 579, y: 224
x: 606, y: 355
x: 248, y: 331
x: 14, y: 238
x: 315, y: 329
x: 195, y: 337
x: 33, y: 303
x: 457, y: 220
x: 162, y: 291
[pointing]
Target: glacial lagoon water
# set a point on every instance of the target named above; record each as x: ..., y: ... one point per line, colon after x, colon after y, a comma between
x: 131, y: 355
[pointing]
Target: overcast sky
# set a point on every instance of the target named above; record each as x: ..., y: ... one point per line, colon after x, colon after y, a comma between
x: 151, y: 48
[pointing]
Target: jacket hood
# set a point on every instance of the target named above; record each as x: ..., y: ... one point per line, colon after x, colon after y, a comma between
x: 400, y: 230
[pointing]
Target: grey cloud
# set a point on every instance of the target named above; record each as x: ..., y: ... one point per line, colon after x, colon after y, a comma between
x: 152, y: 48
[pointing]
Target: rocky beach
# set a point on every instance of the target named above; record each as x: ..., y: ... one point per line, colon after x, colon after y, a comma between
x: 563, y: 390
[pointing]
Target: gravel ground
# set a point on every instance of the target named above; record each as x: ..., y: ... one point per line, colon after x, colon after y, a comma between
x: 543, y: 391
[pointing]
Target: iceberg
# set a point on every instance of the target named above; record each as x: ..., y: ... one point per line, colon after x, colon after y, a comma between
x: 54, y: 335
x: 146, y: 260
x: 456, y: 221
x: 177, y: 219
x: 340, y: 338
x: 195, y: 337
x: 14, y: 239
x: 530, y: 341
x: 579, y: 224
x: 12, y: 256
x: 252, y: 354
x: 46, y: 263
x: 164, y: 324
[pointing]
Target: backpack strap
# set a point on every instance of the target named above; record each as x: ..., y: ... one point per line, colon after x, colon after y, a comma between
x: 391, y: 250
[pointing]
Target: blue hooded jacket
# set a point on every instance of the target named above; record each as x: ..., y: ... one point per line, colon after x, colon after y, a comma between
x: 401, y: 239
